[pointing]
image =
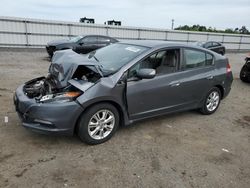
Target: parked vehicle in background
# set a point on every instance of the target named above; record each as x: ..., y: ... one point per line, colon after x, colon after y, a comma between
x: 80, y: 44
x: 116, y: 85
x: 214, y: 46
x: 245, y: 70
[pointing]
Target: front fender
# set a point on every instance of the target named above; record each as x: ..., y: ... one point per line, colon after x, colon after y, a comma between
x: 106, y: 91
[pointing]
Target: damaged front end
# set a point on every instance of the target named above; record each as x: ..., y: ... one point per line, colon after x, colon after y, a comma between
x: 48, y: 104
x: 66, y: 69
x: 43, y: 90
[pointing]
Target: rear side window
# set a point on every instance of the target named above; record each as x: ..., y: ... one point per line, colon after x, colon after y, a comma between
x: 196, y: 59
x: 209, y: 59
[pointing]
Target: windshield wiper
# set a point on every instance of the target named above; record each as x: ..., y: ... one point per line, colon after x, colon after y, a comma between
x: 98, y: 67
x: 95, y: 58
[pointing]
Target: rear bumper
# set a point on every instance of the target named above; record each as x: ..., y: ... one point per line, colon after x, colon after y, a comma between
x: 227, y: 85
x: 226, y: 92
x: 48, y: 118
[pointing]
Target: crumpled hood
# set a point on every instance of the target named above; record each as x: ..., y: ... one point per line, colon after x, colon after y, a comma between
x: 64, y: 64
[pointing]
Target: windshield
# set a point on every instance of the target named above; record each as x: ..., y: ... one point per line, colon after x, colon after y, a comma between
x: 75, y: 39
x: 115, y: 56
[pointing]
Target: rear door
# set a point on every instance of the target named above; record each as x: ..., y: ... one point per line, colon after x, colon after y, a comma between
x: 197, y: 75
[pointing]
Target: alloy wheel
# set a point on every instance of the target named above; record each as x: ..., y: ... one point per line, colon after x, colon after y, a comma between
x: 213, y: 101
x: 101, y: 124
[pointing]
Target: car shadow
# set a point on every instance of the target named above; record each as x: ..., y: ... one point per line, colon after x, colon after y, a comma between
x: 45, y: 141
x: 164, y: 117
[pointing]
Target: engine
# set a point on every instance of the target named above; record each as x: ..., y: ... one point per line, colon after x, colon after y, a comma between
x: 39, y: 87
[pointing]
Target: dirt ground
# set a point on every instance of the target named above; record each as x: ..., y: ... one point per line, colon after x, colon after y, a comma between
x: 179, y: 150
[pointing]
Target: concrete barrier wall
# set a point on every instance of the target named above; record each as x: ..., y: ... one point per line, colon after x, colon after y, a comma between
x: 22, y: 32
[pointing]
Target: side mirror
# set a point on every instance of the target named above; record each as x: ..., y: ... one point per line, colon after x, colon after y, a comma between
x: 81, y: 43
x: 146, y: 73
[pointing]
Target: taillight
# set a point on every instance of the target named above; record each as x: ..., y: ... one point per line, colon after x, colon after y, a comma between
x: 228, y: 68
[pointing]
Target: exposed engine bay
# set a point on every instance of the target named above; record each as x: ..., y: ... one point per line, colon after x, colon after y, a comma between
x: 60, y: 72
x: 41, y: 86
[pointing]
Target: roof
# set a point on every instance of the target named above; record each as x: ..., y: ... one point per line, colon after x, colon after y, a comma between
x: 157, y: 44
x: 153, y: 43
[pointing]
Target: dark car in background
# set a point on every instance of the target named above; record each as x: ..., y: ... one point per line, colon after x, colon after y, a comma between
x: 214, y: 46
x: 80, y: 44
x: 245, y: 70
x: 92, y: 95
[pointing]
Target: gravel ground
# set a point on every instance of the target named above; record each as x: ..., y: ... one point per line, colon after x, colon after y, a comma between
x: 179, y: 150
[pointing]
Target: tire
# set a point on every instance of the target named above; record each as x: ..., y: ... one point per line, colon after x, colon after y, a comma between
x: 92, y: 128
x: 243, y: 73
x: 211, y: 101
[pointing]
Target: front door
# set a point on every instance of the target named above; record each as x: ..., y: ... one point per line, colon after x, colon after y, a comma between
x: 160, y: 94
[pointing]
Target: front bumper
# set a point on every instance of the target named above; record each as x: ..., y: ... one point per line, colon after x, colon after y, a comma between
x: 56, y: 118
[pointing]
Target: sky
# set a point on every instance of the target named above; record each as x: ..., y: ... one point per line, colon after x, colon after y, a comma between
x: 220, y: 14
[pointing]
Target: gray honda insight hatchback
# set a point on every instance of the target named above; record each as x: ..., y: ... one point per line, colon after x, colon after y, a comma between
x: 93, y: 94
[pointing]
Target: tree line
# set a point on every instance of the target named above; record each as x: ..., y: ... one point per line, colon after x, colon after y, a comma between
x: 201, y: 28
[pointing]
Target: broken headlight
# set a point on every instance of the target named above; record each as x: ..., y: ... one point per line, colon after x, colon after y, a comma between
x: 61, y: 97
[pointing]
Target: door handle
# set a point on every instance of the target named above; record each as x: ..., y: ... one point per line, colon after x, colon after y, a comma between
x: 175, y: 84
x: 210, y: 77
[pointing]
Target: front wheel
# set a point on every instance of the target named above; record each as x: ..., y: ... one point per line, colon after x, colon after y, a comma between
x: 98, y: 123
x: 211, y: 102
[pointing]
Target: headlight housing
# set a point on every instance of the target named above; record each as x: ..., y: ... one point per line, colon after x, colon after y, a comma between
x: 61, y: 97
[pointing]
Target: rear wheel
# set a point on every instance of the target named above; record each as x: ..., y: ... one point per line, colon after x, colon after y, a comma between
x: 211, y: 102
x: 98, y: 124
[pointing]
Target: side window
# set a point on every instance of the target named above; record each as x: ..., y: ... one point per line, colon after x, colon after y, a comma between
x: 89, y: 40
x: 164, y: 62
x: 113, y: 40
x: 209, y: 59
x: 215, y: 44
x: 208, y: 45
x: 194, y: 58
x: 103, y: 39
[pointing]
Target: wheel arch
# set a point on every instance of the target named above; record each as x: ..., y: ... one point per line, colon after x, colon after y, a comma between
x: 221, y: 90
x: 115, y: 104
